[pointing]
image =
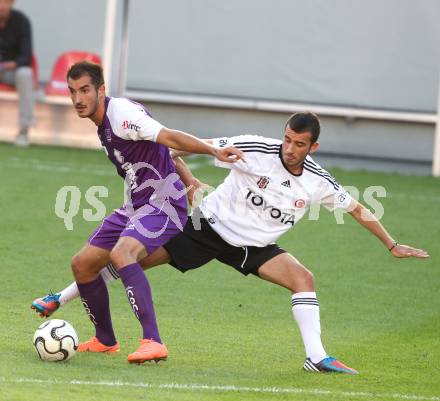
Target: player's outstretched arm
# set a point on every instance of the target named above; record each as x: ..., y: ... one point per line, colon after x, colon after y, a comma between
x: 182, y: 141
x: 367, y: 219
x: 180, y: 153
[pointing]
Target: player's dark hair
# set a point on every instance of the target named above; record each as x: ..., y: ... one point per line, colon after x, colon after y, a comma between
x: 94, y: 71
x: 305, y: 122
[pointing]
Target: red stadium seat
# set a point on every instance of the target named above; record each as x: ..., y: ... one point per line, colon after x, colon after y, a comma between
x: 34, y: 65
x: 6, y: 88
x: 57, y: 86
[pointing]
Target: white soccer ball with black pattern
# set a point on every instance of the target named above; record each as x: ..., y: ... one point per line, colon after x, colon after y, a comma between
x: 56, y: 340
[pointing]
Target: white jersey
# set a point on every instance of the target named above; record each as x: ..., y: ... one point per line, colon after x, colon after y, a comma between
x: 260, y: 199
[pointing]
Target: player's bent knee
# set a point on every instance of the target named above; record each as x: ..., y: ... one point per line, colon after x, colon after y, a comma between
x: 309, y: 279
x: 301, y: 280
x: 116, y: 258
x: 79, y: 268
x: 122, y: 255
x: 84, y: 268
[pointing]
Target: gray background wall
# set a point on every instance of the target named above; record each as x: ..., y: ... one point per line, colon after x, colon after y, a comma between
x: 375, y: 53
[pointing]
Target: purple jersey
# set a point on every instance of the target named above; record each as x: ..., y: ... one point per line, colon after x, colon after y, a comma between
x: 128, y: 134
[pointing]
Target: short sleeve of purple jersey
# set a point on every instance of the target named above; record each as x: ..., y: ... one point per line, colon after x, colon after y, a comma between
x: 130, y: 121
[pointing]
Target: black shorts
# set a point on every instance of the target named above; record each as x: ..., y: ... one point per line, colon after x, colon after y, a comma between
x: 192, y: 248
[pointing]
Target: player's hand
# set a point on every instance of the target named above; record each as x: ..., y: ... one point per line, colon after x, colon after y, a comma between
x: 193, y: 190
x: 229, y: 154
x: 405, y: 251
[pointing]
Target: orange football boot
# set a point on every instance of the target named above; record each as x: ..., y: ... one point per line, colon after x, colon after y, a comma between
x: 94, y: 345
x: 149, y: 350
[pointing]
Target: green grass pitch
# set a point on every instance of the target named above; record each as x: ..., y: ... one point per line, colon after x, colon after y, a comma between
x: 229, y: 337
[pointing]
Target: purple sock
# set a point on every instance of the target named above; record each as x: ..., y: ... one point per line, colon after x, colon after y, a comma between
x: 138, y: 293
x: 94, y: 296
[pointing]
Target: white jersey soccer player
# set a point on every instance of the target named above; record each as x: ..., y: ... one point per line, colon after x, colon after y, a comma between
x: 262, y: 197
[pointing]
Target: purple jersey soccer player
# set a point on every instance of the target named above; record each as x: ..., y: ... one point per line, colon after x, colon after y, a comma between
x: 154, y: 212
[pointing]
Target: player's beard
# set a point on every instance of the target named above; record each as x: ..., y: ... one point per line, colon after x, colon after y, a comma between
x: 93, y: 108
x: 291, y: 160
x: 295, y: 161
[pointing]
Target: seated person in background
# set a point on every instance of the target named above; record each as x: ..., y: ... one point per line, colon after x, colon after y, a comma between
x: 15, y: 63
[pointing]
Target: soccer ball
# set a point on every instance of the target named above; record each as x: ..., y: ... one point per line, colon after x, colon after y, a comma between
x: 55, y: 340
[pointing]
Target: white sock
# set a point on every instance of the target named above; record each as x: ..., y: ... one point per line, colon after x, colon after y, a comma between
x: 305, y: 308
x: 108, y: 273
x: 68, y: 294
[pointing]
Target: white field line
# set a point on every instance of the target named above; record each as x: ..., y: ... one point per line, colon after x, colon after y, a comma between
x: 69, y: 168
x: 98, y: 170
x: 222, y: 388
